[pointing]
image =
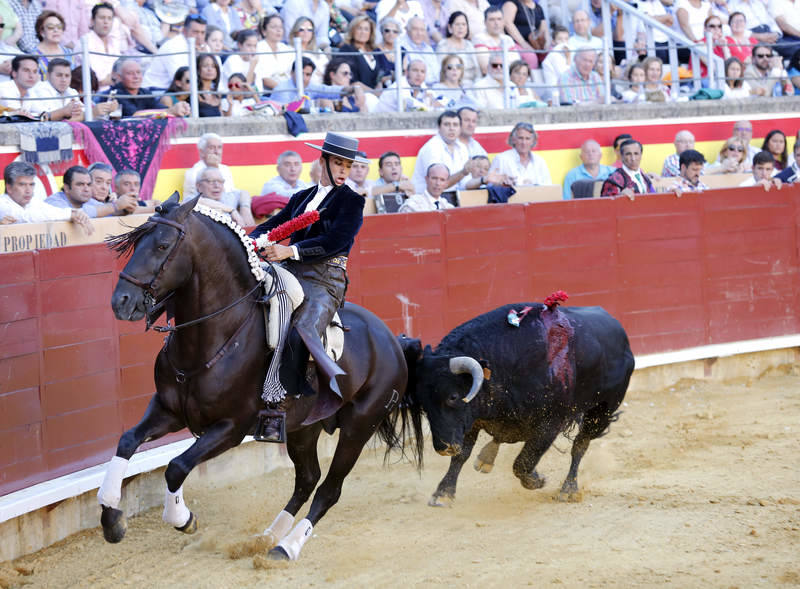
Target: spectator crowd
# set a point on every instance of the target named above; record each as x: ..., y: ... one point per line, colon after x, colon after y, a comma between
x: 451, y: 52
x: 451, y: 161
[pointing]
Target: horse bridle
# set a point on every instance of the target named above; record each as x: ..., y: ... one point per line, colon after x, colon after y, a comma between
x: 153, y: 307
x: 149, y: 288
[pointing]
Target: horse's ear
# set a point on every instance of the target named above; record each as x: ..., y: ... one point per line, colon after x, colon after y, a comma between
x: 166, y: 206
x: 185, y: 208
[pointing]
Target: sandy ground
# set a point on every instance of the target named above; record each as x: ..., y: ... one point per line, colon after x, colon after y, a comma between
x: 695, y: 486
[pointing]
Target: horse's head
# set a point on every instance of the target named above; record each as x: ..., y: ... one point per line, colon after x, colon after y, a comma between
x: 159, y: 264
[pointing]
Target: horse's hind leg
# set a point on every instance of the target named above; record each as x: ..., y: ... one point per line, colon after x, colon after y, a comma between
x: 156, y: 422
x: 302, y: 448
x: 219, y: 437
x: 347, y: 452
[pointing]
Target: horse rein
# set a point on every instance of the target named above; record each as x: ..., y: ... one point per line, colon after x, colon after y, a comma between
x: 149, y: 288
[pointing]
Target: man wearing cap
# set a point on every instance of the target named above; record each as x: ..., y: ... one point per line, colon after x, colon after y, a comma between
x: 317, y: 256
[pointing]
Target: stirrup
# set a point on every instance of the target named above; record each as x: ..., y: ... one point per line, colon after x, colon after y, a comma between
x: 266, y: 428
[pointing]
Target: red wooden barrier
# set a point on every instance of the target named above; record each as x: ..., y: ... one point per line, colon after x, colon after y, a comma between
x: 710, y: 268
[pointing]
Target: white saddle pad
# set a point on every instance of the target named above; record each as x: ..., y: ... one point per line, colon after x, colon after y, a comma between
x: 334, y: 335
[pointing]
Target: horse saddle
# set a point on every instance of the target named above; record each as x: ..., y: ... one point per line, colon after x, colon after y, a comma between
x: 333, y: 339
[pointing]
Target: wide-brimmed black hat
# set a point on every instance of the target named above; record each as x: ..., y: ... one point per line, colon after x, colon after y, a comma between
x: 339, y: 145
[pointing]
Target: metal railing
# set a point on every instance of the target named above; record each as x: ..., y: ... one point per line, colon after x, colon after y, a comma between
x: 705, y: 51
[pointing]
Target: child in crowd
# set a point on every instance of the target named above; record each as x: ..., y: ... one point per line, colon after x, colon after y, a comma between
x: 240, y: 96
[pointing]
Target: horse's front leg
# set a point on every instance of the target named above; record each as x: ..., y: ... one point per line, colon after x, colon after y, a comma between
x: 157, y: 422
x: 218, y: 437
x: 302, y: 448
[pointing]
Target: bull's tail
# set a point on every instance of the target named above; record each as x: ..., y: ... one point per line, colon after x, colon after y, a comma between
x: 402, y: 430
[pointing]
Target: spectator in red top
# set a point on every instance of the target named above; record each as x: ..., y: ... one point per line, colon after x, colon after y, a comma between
x: 740, y: 42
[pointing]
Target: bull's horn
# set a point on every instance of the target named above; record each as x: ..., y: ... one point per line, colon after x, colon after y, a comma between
x: 467, y: 365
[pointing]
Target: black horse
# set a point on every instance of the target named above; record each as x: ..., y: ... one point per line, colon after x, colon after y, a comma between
x: 210, y: 373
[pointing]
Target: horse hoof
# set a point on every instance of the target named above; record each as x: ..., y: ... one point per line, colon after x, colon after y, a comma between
x: 190, y: 527
x: 278, y: 553
x: 114, y: 524
x: 441, y: 501
x: 570, y: 496
x: 531, y: 482
x: 484, y: 467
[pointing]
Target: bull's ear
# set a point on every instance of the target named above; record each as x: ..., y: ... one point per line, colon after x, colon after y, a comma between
x: 487, y: 372
x: 185, y: 208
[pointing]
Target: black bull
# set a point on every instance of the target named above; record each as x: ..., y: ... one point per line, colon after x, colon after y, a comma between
x: 520, y: 384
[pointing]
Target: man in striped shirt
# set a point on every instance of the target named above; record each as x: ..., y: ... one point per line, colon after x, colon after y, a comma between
x: 580, y: 83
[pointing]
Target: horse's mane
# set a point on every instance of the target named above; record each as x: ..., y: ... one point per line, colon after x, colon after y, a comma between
x: 124, y: 243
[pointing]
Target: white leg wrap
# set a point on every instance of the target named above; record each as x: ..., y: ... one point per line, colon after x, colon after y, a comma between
x: 293, y: 543
x: 110, y: 492
x: 280, y: 527
x: 175, y: 511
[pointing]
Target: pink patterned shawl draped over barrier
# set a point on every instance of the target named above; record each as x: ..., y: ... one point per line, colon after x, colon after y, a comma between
x: 138, y: 144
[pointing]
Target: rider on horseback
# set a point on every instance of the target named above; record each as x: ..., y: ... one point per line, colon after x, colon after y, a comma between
x: 317, y: 257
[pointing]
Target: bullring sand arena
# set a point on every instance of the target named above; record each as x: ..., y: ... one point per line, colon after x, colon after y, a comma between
x: 696, y: 485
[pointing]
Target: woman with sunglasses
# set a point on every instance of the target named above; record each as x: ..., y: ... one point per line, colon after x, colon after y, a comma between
x: 449, y: 91
x: 732, y: 159
x: 50, y: 32
x: 178, y: 90
x: 457, y: 41
x: 276, y: 58
x: 359, y: 50
x: 338, y: 73
x: 712, y: 26
x: 390, y: 33
x: 303, y: 27
x: 775, y: 143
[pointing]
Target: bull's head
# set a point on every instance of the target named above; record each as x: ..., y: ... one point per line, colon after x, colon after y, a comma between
x: 445, y: 386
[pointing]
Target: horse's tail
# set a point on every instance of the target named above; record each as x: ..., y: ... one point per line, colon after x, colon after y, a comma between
x: 409, y: 437
x: 408, y: 409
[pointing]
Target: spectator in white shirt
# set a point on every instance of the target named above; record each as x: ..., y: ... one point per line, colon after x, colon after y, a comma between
x: 357, y: 180
x: 108, y: 39
x: 287, y: 182
x: 63, y: 102
x: 469, y: 122
x: 164, y: 65
x: 414, y: 93
x: 210, y: 149
x: 763, y: 172
x: 493, y: 39
x: 18, y: 205
x: 431, y: 199
x: 210, y: 185
x: 443, y: 148
x: 520, y: 165
x: 583, y: 34
x: 415, y: 45
x: 488, y: 91
x: 16, y: 92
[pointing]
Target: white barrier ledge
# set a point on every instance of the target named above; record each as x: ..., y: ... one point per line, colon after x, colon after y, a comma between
x: 71, y: 485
